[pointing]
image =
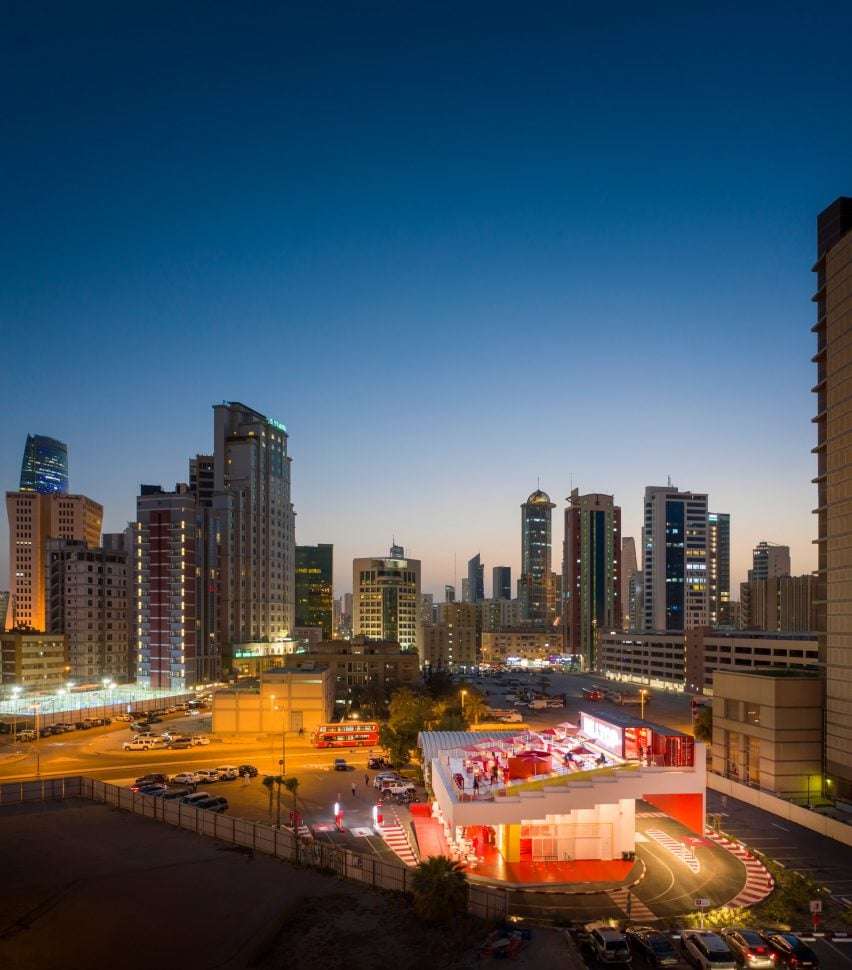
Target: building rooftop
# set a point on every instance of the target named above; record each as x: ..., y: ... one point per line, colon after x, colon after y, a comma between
x: 789, y: 673
x: 621, y: 719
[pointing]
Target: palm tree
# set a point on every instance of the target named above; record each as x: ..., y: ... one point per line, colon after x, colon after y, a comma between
x: 474, y: 706
x: 292, y: 786
x: 440, y: 890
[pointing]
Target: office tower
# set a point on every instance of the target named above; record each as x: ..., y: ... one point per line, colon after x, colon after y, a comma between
x: 449, y: 594
x: 386, y: 598
x: 833, y: 358
x: 718, y: 567
x: 33, y: 519
x: 476, y: 579
x: 255, y: 519
x: 5, y: 610
x: 769, y: 560
x: 674, y: 584
x: 174, y: 599
x: 780, y: 604
x: 45, y: 465
x: 427, y: 608
x: 629, y: 566
x: 499, y: 614
x: 535, y: 587
x: 501, y: 583
x: 314, y: 571
x: 592, y: 579
x: 635, y: 602
x: 465, y: 589
x: 88, y: 600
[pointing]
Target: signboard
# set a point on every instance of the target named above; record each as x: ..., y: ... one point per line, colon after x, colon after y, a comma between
x: 609, y: 736
x: 816, y: 905
x: 702, y: 902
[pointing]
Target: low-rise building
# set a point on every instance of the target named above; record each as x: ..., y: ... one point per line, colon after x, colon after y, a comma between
x: 767, y: 730
x: 285, y: 699
x: 688, y: 660
x: 33, y: 660
x: 452, y: 642
x: 361, y: 662
x: 523, y: 643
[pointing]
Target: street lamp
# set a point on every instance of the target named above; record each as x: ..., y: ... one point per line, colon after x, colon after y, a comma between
x: 16, y: 693
x: 642, y: 695
x: 463, y: 693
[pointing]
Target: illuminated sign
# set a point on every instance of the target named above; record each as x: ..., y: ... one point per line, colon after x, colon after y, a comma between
x: 277, y: 424
x: 608, y: 736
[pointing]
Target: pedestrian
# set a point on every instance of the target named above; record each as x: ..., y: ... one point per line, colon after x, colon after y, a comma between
x: 353, y: 789
x: 367, y: 780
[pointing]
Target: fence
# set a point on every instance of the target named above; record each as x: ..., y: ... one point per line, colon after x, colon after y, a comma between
x: 485, y: 902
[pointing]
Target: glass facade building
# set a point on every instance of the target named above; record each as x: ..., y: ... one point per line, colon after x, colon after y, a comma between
x: 314, y: 592
x: 45, y: 465
x: 536, y: 587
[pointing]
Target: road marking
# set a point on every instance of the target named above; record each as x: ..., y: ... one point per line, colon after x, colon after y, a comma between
x: 637, y: 909
x: 840, y: 953
x: 782, y: 827
x: 680, y: 851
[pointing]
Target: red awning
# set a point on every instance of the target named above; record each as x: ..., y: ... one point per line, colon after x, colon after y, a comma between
x: 581, y: 750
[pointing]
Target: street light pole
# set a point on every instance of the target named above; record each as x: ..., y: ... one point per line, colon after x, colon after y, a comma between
x: 642, y: 694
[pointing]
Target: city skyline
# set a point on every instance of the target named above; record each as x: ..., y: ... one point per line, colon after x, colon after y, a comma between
x: 668, y: 198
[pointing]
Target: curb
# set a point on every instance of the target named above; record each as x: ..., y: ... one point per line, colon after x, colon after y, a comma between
x: 759, y: 882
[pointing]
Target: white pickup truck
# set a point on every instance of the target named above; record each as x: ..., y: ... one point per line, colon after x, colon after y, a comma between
x: 508, y: 715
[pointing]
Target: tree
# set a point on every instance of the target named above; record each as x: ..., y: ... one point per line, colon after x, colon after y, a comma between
x: 474, y: 706
x: 292, y: 786
x: 704, y: 725
x: 269, y: 784
x: 440, y: 890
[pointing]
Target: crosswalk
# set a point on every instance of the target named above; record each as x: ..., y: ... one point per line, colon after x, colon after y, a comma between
x: 394, y: 835
x: 631, y: 905
x: 680, y: 851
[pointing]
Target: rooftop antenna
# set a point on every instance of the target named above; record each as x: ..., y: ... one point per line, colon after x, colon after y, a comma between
x: 669, y: 479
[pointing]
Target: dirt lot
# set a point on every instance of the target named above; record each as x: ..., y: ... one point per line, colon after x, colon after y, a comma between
x: 85, y: 885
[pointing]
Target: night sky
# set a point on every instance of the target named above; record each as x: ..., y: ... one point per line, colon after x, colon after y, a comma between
x: 452, y: 246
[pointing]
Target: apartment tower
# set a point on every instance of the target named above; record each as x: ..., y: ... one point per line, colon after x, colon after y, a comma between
x: 536, y: 584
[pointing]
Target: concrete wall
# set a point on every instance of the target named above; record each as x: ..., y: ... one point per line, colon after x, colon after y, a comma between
x: 291, y: 701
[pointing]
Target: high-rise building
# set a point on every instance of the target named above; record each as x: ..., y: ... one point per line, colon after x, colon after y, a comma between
x: 88, y: 600
x: 202, y: 479
x: 674, y: 586
x: 476, y: 579
x: 449, y: 594
x: 465, y: 589
x: 592, y: 572
x: 386, y: 599
x: 769, y: 560
x: 629, y: 567
x: 781, y: 604
x: 175, y: 594
x: 833, y: 358
x: 427, y: 608
x: 44, y: 468
x: 501, y: 583
x: 33, y: 519
x: 314, y: 572
x: 497, y: 614
x: 456, y: 642
x: 718, y: 567
x: 255, y: 521
x: 6, y: 622
x: 535, y: 587
x: 635, y: 602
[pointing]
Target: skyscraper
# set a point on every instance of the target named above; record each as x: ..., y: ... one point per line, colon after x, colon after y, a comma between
x: 175, y: 597
x: 629, y: 566
x: 675, y: 559
x: 314, y: 572
x: 535, y: 586
x: 833, y: 596
x: 255, y: 520
x: 44, y: 468
x: 718, y: 567
x: 501, y: 583
x: 386, y: 598
x: 592, y: 572
x: 33, y: 519
x: 476, y: 579
x: 449, y: 594
x: 769, y: 560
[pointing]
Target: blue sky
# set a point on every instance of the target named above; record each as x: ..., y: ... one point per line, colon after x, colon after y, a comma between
x: 453, y: 247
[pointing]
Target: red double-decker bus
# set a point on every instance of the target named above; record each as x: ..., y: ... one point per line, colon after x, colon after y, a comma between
x: 347, y: 734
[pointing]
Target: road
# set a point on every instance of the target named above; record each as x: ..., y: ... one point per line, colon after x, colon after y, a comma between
x: 796, y: 848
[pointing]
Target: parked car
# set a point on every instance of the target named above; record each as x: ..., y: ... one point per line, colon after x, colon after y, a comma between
x: 181, y: 744
x: 152, y: 779
x: 44, y: 732
x: 26, y: 735
x: 228, y: 773
x: 379, y: 780
x: 609, y: 945
x: 398, y: 787
x: 172, y: 794
x: 187, y: 778
x: 707, y: 950
x: 63, y: 727
x: 196, y: 797
x: 790, y: 950
x: 378, y: 763
x: 213, y: 803
x: 200, y: 739
x: 152, y: 790
x: 249, y: 770
x: 655, y: 947
x: 138, y: 725
x: 340, y: 764
x: 208, y: 774
x: 137, y: 744
x: 123, y: 717
x: 750, y: 949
